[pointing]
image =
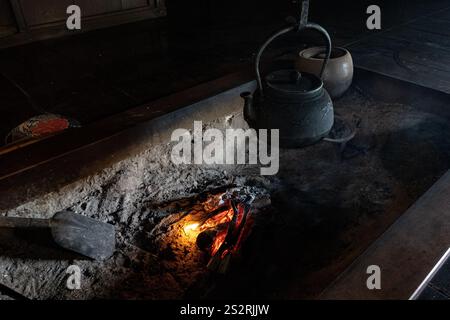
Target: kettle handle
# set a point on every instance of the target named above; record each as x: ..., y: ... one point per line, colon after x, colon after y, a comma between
x: 297, y: 27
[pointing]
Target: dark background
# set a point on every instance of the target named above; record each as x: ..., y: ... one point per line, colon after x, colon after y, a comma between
x: 89, y: 76
x: 207, y: 12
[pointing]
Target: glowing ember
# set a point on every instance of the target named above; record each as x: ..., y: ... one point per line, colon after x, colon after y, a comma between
x: 218, y: 219
x: 218, y: 241
x: 220, y: 230
x: 191, y: 227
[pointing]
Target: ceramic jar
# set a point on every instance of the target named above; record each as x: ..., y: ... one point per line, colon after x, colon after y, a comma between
x: 338, y: 74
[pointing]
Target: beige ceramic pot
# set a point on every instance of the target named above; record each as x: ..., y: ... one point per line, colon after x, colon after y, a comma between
x: 338, y: 74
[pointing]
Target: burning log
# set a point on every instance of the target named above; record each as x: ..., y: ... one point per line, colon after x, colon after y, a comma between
x: 223, y: 229
x: 231, y: 240
x: 216, y: 225
x: 205, y: 240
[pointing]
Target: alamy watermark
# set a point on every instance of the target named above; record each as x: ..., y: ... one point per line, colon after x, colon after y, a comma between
x: 374, y: 20
x: 73, y: 22
x: 74, y: 279
x: 237, y: 146
x: 374, y: 280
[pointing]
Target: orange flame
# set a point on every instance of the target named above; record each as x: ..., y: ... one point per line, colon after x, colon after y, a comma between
x: 218, y: 241
x: 191, y: 227
x: 218, y: 219
x: 224, y: 218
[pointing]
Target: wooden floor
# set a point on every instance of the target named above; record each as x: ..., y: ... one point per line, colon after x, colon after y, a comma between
x: 418, y: 51
x: 97, y: 74
x: 406, y: 253
x: 92, y: 76
x: 437, y: 285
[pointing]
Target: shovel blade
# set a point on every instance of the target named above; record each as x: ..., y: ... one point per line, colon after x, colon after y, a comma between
x: 84, y: 235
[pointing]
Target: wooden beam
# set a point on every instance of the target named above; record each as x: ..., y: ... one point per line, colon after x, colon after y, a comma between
x: 406, y: 252
x: 58, y: 29
x: 39, y: 168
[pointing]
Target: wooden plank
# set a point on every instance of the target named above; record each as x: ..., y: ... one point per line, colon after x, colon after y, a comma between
x: 44, y: 11
x: 421, y: 75
x: 419, y: 38
x: 51, y: 163
x: 441, y: 280
x: 438, y: 278
x: 407, y: 51
x: 440, y: 27
x: 435, y: 60
x: 442, y: 15
x: 71, y: 140
x: 89, y: 23
x: 61, y: 84
x: 97, y: 7
x: 406, y: 252
x: 132, y: 4
x: 393, y: 58
x: 418, y: 52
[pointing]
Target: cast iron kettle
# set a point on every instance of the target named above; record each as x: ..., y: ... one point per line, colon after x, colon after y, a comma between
x: 295, y: 103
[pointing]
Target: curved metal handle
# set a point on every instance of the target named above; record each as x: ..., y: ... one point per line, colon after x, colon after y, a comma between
x: 309, y: 25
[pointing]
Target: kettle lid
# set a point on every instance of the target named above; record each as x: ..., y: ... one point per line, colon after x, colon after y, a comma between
x: 292, y: 81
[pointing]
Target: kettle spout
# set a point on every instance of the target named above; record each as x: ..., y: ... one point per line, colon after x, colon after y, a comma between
x: 249, y: 114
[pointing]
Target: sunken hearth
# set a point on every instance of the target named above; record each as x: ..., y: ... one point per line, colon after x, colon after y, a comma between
x: 208, y: 231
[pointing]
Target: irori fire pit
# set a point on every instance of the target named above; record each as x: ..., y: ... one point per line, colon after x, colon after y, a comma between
x: 213, y: 231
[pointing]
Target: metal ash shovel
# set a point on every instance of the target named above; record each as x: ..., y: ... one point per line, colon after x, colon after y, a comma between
x: 83, y: 235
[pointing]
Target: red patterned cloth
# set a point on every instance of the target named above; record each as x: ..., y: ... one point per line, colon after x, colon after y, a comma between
x: 40, y: 126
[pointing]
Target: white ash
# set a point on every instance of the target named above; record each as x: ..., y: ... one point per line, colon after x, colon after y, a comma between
x: 126, y: 196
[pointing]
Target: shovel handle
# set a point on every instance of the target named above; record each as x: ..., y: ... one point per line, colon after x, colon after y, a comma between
x: 13, y: 222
